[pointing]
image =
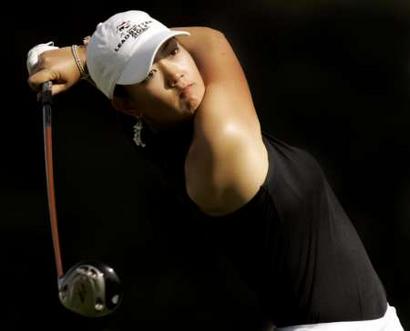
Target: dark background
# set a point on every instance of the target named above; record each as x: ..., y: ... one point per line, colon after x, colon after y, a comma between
x: 329, y: 76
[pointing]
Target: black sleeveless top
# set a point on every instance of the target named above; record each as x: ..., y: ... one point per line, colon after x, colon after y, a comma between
x: 292, y: 243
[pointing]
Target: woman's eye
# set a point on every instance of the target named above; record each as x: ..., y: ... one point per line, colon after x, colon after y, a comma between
x: 175, y: 51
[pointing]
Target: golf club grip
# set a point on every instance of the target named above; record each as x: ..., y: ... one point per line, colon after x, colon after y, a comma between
x: 48, y: 155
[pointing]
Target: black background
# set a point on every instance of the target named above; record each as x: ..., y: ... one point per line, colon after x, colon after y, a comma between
x: 331, y: 77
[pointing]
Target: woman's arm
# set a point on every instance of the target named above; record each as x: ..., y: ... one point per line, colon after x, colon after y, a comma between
x: 228, y: 160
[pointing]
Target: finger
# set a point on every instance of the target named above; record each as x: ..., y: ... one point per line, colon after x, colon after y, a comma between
x: 36, y: 80
x: 58, y: 88
x: 55, y: 89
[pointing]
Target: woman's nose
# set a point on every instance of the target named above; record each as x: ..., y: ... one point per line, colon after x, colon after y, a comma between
x: 173, y: 74
x: 174, y: 78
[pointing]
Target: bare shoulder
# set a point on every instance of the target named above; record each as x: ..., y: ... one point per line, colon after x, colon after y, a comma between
x: 226, y: 165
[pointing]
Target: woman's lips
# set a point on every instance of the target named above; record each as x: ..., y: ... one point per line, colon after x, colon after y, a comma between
x: 185, y: 91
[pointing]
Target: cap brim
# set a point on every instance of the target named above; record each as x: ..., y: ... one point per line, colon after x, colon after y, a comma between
x: 138, y: 67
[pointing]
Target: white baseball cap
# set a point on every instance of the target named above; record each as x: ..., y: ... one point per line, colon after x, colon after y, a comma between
x: 122, y: 49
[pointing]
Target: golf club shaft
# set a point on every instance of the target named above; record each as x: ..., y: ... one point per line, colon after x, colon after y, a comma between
x: 48, y: 153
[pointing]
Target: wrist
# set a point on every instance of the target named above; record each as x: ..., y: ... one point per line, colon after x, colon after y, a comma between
x: 80, y: 56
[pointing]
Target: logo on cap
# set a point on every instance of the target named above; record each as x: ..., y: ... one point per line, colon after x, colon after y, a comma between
x: 126, y: 30
x: 124, y: 25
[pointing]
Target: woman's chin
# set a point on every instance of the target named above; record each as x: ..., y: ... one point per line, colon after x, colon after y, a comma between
x: 190, y: 103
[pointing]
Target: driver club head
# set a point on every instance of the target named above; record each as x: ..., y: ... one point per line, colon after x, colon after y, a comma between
x: 91, y: 289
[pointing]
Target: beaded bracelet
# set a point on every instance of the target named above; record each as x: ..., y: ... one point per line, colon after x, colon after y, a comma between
x: 83, y: 71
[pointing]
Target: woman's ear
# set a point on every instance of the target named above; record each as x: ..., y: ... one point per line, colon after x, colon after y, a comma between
x: 124, y: 105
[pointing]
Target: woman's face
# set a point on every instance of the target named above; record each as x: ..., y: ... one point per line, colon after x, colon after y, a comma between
x: 173, y: 89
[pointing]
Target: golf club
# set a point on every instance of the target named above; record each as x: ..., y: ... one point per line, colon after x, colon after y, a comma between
x: 89, y: 288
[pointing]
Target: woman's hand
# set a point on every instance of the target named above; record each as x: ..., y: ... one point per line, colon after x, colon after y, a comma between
x: 59, y: 66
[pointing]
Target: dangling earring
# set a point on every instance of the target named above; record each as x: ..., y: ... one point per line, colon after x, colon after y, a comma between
x: 137, y: 133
